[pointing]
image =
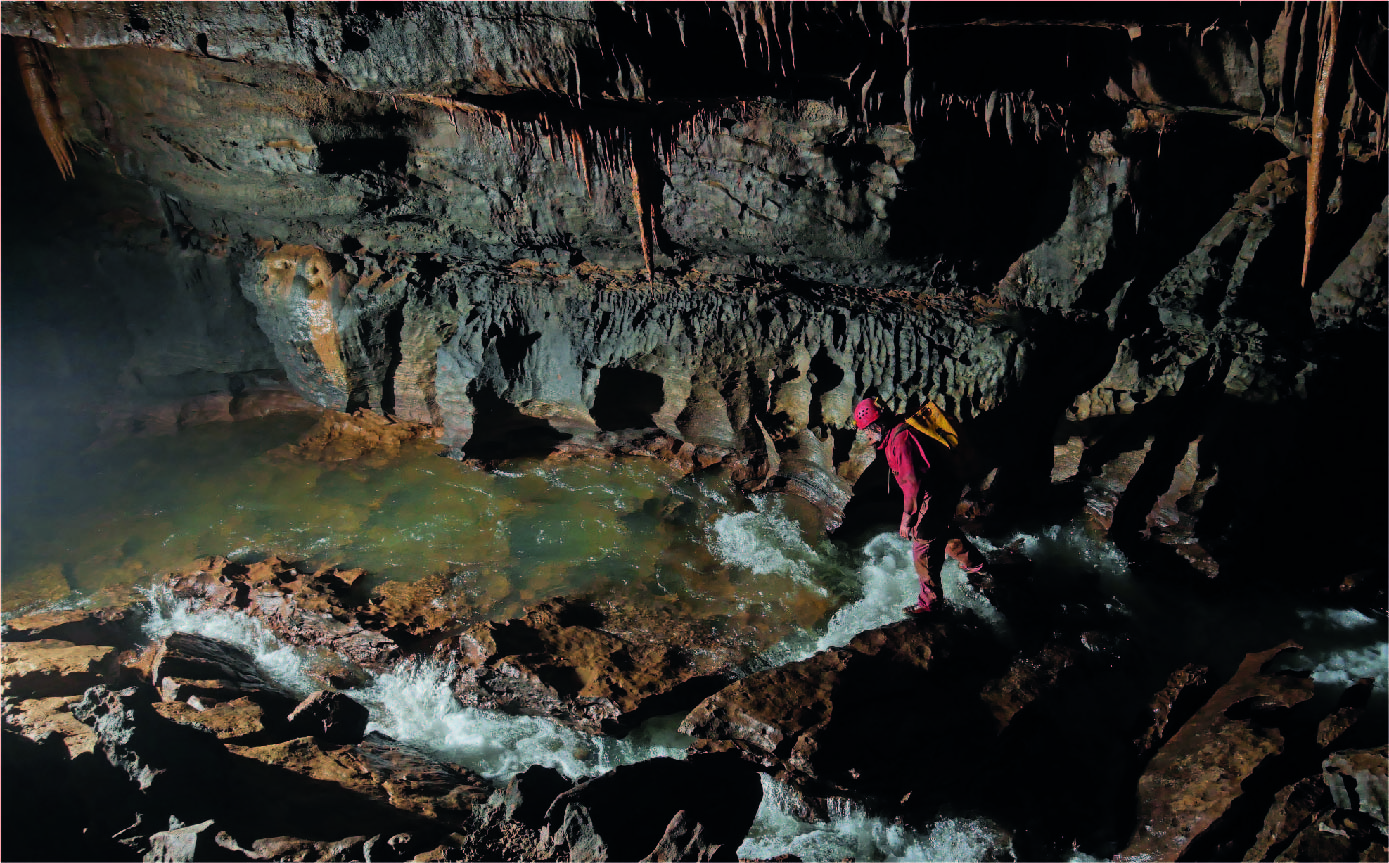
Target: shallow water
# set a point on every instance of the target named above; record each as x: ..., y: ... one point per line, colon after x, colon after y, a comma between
x: 89, y: 527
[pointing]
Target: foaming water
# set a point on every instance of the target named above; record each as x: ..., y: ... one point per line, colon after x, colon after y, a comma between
x: 414, y: 704
x: 283, y: 663
x: 1342, y: 646
x: 852, y: 833
x: 884, y: 582
x: 766, y: 541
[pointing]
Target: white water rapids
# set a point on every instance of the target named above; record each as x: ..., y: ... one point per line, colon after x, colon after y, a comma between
x: 412, y: 702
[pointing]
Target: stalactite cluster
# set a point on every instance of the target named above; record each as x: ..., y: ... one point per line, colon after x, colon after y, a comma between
x: 614, y: 143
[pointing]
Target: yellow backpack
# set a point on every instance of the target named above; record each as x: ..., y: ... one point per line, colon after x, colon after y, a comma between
x: 932, y: 422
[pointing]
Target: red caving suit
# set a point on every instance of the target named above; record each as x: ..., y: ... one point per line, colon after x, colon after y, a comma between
x: 931, y: 490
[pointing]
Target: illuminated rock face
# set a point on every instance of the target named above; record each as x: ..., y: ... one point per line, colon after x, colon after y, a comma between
x: 725, y: 224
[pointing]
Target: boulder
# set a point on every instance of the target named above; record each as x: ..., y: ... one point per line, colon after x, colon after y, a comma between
x: 205, y: 671
x: 565, y: 660
x: 182, y: 844
x: 527, y: 796
x: 1347, y: 714
x: 1294, y: 808
x: 1027, y: 679
x: 37, y: 718
x: 766, y: 715
x: 1338, y: 835
x: 159, y: 757
x: 379, y: 770
x: 240, y: 720
x: 1195, y: 778
x: 315, y: 609
x: 1357, y: 782
x: 291, y: 848
x: 852, y: 720
x: 1171, y: 705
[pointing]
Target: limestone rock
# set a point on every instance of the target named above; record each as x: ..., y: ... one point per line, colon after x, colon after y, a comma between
x: 1198, y: 774
x: 49, y: 667
x: 379, y: 769
x: 182, y: 844
x: 1171, y: 703
x: 562, y: 660
x: 118, y: 626
x: 239, y: 720
x: 307, y: 609
x: 37, y: 718
x: 1358, y: 782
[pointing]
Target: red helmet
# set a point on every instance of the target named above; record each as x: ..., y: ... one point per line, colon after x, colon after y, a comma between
x: 867, y: 412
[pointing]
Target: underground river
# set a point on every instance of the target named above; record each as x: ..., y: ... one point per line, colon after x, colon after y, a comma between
x: 101, y: 525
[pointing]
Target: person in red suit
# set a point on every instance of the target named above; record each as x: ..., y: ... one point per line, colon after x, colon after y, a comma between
x: 931, y: 487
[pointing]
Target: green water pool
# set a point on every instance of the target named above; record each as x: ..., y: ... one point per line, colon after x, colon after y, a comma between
x: 89, y: 528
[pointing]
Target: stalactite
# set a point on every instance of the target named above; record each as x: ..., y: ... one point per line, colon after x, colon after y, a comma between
x: 989, y: 107
x: 1326, y: 61
x: 907, y: 33
x: 1301, y: 64
x: 907, y: 98
x: 644, y: 221
x: 791, y: 31
x: 760, y: 13
x: 867, y: 85
x: 582, y: 154
x: 735, y: 14
x: 36, y: 84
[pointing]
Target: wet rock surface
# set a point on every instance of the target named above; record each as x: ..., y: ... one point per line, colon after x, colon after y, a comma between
x: 564, y: 660
x: 1049, y: 730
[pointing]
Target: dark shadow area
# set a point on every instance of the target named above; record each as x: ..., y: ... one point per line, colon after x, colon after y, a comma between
x: 1174, y: 422
x: 1346, y: 218
x: 1169, y: 221
x: 1068, y: 357
x: 388, y: 153
x: 627, y: 399
x: 1302, y: 493
x: 961, y: 199
x: 500, y: 430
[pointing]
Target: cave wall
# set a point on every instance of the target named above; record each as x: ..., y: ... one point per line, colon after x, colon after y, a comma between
x: 1084, y: 236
